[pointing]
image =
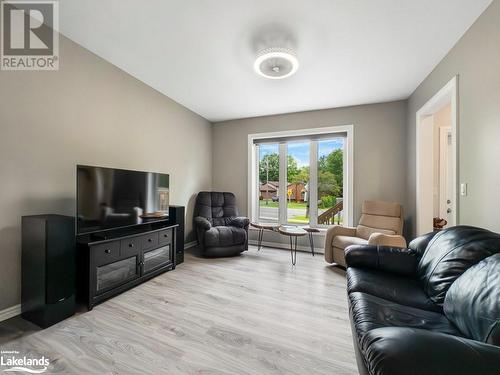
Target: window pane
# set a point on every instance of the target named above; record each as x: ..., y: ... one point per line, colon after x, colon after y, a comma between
x: 298, y: 182
x: 269, y: 163
x: 330, y: 181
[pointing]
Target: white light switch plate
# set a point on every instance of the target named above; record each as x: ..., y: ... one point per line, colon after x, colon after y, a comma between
x: 463, y: 189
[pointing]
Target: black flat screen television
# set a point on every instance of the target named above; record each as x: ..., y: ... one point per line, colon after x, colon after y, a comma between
x: 110, y: 198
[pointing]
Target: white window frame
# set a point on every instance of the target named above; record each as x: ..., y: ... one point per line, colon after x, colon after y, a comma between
x: 348, y: 183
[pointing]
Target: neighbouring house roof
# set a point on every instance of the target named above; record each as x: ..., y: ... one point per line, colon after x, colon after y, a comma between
x: 274, y: 185
x: 269, y: 187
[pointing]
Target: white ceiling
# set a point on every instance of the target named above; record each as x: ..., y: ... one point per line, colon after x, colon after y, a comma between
x: 200, y: 52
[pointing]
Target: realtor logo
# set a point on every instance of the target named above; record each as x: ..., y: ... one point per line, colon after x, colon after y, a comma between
x: 29, y: 37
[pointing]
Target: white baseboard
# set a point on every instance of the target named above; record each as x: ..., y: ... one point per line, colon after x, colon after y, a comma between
x: 286, y: 246
x: 10, y: 312
x: 190, y: 244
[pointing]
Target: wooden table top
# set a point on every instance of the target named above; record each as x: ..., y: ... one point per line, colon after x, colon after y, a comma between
x: 290, y: 230
x: 268, y: 226
x: 311, y: 230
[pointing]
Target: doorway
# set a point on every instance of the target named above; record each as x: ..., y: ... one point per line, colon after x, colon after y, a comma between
x: 436, y: 182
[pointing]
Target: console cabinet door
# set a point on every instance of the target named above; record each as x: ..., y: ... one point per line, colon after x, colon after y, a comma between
x: 157, y: 258
x: 114, y: 274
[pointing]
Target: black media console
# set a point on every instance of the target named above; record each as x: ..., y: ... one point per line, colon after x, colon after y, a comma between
x: 119, y: 260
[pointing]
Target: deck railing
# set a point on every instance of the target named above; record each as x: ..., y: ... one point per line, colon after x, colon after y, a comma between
x: 328, y: 217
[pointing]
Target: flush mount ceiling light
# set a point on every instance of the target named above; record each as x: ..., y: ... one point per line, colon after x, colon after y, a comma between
x: 276, y: 63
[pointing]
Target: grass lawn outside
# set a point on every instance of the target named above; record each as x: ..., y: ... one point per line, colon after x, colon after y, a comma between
x: 271, y: 204
x: 299, y: 219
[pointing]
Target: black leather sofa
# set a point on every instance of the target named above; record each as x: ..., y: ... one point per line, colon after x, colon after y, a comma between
x: 219, y: 229
x: 432, y: 309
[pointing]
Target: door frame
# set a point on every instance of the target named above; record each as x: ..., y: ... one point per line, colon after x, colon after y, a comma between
x: 448, y: 94
x: 444, y: 133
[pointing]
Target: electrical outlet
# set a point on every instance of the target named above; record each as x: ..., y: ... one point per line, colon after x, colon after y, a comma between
x: 463, y: 189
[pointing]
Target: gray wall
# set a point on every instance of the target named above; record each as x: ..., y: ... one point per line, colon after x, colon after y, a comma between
x: 476, y: 59
x: 379, y: 148
x: 89, y: 112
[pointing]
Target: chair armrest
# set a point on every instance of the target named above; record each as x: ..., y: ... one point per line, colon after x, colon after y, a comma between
x: 240, y: 222
x: 388, y: 259
x: 337, y: 230
x: 331, y: 233
x: 202, y: 223
x: 396, y: 351
x: 391, y: 240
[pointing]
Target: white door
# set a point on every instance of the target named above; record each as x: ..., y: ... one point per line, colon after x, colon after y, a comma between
x: 446, y: 170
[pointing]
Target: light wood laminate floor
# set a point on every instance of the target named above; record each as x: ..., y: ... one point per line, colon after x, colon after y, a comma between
x: 253, y: 314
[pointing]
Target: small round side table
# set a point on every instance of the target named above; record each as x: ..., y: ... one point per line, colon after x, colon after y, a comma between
x: 293, y: 232
x: 262, y: 227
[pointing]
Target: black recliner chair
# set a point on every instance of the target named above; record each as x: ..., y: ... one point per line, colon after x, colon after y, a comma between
x: 219, y: 229
x: 432, y: 309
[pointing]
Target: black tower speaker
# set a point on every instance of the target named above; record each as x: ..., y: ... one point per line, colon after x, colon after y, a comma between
x: 176, y: 215
x: 48, y: 268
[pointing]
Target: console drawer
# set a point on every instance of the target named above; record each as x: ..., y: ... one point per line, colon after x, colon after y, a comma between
x: 149, y: 241
x: 154, y: 259
x: 105, y: 253
x: 116, y: 273
x: 166, y: 236
x: 130, y: 246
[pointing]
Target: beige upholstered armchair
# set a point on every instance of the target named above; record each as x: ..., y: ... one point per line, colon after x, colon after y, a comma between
x: 381, y: 223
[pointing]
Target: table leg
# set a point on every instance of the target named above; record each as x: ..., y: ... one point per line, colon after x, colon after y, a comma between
x: 259, y: 241
x: 311, y: 242
x: 293, y: 249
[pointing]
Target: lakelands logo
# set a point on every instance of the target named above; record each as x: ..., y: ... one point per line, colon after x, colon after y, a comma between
x: 15, y: 363
x: 29, y: 37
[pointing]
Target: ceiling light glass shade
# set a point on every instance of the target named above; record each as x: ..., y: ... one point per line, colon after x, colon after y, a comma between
x: 276, y: 63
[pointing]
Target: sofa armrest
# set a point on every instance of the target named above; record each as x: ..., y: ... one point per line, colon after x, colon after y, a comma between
x: 389, y: 259
x: 240, y: 222
x: 391, y: 240
x: 202, y: 223
x: 396, y: 351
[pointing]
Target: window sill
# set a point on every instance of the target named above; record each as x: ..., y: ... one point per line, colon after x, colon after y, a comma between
x: 322, y: 230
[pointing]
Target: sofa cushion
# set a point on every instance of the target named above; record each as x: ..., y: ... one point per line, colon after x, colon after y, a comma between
x: 225, y: 236
x: 419, y: 244
x: 397, y: 351
x: 370, y: 312
x: 403, y: 290
x: 473, y: 301
x: 450, y: 253
x: 344, y: 241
